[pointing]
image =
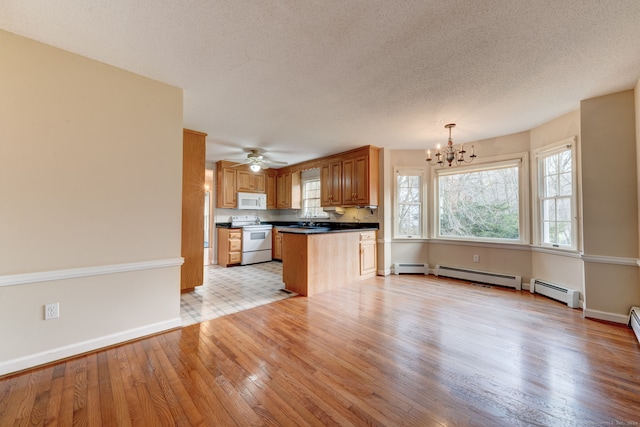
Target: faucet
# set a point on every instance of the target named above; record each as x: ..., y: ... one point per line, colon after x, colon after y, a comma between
x: 310, y: 221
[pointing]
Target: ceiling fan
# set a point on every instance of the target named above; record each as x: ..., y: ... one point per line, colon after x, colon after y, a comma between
x: 257, y: 161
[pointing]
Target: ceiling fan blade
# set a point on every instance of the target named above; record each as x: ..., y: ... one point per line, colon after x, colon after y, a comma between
x: 275, y: 162
x: 240, y: 162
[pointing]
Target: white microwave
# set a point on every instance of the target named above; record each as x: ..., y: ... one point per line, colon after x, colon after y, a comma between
x: 256, y: 201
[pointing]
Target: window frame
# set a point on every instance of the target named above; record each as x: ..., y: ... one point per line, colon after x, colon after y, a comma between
x: 312, y: 177
x: 420, y: 171
x: 519, y: 160
x: 541, y: 154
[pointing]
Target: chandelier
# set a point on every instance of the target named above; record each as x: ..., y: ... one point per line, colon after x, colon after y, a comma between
x: 449, y: 154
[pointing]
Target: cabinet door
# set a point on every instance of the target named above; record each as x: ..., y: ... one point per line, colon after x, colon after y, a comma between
x: 282, y: 199
x: 226, y: 186
x: 356, y: 181
x: 368, y: 254
x: 277, y: 244
x: 243, y: 181
x: 348, y: 186
x: 288, y: 190
x: 272, y: 202
x: 331, y: 184
x: 258, y: 181
x: 361, y: 180
x: 251, y: 182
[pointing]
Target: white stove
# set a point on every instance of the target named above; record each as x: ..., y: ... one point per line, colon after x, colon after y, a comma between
x: 256, y: 239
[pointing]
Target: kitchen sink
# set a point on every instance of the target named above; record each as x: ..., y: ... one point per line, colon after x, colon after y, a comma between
x: 310, y: 227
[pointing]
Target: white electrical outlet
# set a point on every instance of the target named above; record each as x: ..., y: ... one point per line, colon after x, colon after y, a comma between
x: 51, y: 311
x: 476, y: 258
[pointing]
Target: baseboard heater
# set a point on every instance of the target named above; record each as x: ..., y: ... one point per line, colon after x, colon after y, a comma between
x: 408, y: 268
x: 568, y: 296
x: 480, y: 276
x: 634, y: 321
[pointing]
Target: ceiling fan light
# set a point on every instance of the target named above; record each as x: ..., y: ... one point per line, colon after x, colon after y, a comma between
x: 255, y: 167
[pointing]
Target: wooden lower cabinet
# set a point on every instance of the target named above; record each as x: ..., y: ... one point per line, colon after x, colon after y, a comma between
x: 368, y: 254
x: 317, y: 262
x: 229, y: 246
x: 277, y: 244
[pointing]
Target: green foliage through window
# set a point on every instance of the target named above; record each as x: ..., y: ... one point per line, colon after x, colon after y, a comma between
x: 480, y: 204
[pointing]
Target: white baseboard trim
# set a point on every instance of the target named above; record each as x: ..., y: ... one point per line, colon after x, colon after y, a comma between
x: 609, y: 317
x: 385, y: 272
x: 52, y: 355
x: 72, y: 273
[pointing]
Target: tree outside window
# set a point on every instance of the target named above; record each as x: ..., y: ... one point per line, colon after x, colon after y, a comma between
x: 556, y: 198
x: 409, y: 204
x: 480, y: 203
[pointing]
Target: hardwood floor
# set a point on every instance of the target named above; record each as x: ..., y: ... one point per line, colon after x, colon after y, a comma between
x: 401, y: 350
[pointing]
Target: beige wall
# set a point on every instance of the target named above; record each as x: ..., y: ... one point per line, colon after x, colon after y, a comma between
x: 610, y: 207
x: 90, y: 183
x: 637, y: 110
x: 565, y: 270
x: 609, y: 175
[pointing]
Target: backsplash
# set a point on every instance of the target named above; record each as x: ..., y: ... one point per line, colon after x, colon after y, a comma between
x: 350, y: 215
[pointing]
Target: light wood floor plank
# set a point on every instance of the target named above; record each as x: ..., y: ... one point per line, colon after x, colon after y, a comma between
x: 404, y: 350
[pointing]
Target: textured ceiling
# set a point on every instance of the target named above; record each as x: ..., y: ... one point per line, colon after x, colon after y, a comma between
x: 302, y: 79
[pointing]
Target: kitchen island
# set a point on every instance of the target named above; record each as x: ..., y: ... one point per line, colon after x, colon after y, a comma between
x: 317, y: 259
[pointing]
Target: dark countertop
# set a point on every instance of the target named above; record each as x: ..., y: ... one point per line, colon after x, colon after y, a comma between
x: 323, y: 230
x: 327, y: 227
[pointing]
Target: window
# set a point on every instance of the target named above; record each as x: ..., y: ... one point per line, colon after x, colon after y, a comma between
x: 409, y: 204
x: 482, y: 203
x: 311, y: 196
x: 556, y: 201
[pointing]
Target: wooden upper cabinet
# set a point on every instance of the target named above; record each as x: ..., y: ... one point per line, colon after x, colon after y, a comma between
x: 225, y: 186
x: 272, y: 202
x: 231, y: 179
x: 331, y: 184
x: 250, y: 182
x: 346, y: 179
x: 192, y: 249
x: 356, y: 181
x: 360, y: 175
x: 288, y: 190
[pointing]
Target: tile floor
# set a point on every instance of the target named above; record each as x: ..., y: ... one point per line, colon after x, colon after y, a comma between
x: 229, y: 290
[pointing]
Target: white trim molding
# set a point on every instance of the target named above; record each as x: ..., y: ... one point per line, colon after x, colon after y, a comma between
x: 559, y: 252
x: 384, y: 272
x: 610, y: 260
x: 603, y: 315
x: 73, y: 273
x: 33, y: 360
x: 483, y: 244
